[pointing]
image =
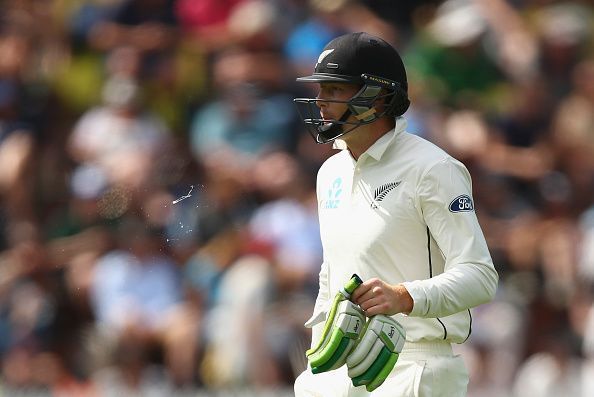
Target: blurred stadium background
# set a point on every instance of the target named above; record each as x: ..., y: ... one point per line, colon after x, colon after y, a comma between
x: 158, y: 221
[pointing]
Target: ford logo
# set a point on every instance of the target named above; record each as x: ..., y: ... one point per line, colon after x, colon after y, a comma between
x: 461, y: 204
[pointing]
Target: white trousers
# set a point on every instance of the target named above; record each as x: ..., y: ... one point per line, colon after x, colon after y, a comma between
x: 424, y: 369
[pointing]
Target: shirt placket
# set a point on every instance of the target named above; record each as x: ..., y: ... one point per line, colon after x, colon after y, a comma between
x: 357, y: 191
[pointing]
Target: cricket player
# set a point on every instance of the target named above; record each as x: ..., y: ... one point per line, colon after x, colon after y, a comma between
x: 397, y: 211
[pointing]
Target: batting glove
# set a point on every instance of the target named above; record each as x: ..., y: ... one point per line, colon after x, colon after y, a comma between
x: 376, y: 354
x: 341, y: 331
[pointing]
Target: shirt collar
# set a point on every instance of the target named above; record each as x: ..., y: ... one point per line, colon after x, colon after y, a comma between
x: 379, y: 147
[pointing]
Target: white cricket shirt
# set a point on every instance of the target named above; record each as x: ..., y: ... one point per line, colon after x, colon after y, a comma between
x: 403, y: 212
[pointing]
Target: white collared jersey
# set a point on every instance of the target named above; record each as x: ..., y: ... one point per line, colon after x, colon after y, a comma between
x: 404, y: 213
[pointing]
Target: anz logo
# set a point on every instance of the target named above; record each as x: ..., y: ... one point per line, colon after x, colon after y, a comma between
x: 462, y: 203
x: 334, y: 193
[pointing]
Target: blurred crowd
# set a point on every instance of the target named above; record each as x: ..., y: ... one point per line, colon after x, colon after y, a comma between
x: 158, y: 216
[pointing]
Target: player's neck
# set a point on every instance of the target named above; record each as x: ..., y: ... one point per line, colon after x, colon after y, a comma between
x: 361, y: 139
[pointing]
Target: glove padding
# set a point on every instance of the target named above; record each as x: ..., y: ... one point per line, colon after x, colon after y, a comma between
x: 373, y: 359
x: 342, y: 329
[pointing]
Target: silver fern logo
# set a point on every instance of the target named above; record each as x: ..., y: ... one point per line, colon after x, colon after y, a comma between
x: 381, y: 193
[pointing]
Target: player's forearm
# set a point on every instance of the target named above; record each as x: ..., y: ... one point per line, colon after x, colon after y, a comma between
x: 460, y: 288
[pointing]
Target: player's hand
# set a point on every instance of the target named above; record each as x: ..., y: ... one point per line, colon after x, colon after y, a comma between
x: 375, y: 296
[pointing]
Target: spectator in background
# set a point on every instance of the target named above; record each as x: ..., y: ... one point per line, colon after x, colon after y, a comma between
x: 18, y: 135
x: 34, y: 353
x: 284, y: 228
x: 120, y: 135
x: 134, y: 288
x: 150, y: 26
x: 307, y: 40
x: 250, y: 116
x: 206, y: 21
x: 137, y: 300
x: 573, y: 133
x: 450, y: 55
x: 563, y: 32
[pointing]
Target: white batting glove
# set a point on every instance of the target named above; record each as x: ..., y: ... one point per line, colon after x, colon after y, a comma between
x: 342, y: 329
x: 376, y: 354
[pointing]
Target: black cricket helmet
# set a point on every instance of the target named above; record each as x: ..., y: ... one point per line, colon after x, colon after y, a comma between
x: 363, y: 59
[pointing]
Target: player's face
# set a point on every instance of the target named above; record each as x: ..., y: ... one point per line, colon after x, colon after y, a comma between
x: 330, y: 110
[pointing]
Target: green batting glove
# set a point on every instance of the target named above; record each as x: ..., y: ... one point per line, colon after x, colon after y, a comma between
x: 341, y: 331
x: 376, y: 354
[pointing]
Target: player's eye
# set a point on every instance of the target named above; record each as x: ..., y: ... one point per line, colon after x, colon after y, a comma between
x: 330, y: 91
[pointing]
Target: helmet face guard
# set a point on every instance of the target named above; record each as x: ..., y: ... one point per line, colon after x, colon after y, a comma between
x: 361, y: 106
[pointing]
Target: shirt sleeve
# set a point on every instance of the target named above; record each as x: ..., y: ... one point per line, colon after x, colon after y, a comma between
x: 469, y: 278
x: 316, y: 321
